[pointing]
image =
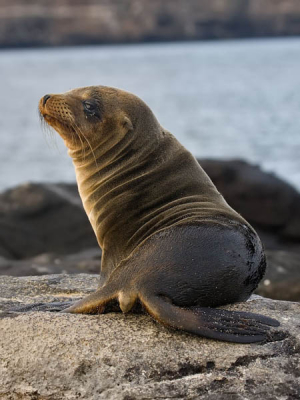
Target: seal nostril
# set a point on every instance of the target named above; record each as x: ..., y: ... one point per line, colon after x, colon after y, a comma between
x: 46, y: 97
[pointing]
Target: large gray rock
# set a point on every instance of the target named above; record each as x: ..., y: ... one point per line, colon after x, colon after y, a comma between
x: 39, y: 218
x: 47, y: 355
x: 266, y: 201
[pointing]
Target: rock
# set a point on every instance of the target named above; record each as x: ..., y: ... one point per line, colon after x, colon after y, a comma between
x: 282, y: 279
x: 266, y: 201
x: 87, y: 261
x: 40, y: 218
x: 48, y: 355
x: 59, y: 22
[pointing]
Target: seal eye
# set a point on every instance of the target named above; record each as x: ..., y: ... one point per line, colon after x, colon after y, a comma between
x: 92, y: 108
x: 89, y: 108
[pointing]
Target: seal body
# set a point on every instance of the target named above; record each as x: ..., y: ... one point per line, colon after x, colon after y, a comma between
x: 169, y: 239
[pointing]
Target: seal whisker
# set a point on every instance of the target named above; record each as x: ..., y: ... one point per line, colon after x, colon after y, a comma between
x: 92, y: 151
x: 89, y: 144
x: 76, y: 127
x: 49, y: 133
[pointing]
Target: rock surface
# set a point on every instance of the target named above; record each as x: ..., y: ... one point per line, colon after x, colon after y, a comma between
x: 47, y: 355
x: 62, y: 22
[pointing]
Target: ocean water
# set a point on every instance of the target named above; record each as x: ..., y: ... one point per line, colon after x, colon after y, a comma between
x: 222, y: 99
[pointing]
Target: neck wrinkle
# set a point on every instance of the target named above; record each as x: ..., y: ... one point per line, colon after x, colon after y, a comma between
x: 105, y: 158
x: 93, y: 172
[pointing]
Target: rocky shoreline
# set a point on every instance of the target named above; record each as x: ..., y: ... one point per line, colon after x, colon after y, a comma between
x: 59, y: 22
x: 46, y: 355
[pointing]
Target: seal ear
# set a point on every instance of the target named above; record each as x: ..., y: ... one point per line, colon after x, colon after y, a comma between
x: 127, y: 124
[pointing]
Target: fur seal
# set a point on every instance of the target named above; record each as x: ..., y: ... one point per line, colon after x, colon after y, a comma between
x: 169, y: 239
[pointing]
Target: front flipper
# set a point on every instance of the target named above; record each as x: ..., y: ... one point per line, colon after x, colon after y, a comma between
x: 230, y: 326
x: 93, y: 303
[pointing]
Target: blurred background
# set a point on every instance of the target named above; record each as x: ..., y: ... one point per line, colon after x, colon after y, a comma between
x: 221, y: 98
x: 222, y: 75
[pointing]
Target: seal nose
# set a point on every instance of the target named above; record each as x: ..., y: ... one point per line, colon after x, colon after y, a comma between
x: 46, y: 98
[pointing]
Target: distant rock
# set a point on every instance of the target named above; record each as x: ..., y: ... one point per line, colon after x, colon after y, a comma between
x: 282, y: 279
x: 43, y: 218
x: 270, y: 204
x: 86, y: 261
x: 48, y: 355
x: 60, y: 22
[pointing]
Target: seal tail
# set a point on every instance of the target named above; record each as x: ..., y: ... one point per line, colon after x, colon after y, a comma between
x: 219, y: 324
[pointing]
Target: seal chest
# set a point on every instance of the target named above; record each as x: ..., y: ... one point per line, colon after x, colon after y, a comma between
x: 169, y: 240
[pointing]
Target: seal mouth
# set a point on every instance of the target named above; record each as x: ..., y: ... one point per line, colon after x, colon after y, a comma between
x: 49, y: 118
x: 56, y: 122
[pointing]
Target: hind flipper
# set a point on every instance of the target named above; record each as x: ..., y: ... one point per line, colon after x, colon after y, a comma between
x: 243, y: 327
x: 230, y: 326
